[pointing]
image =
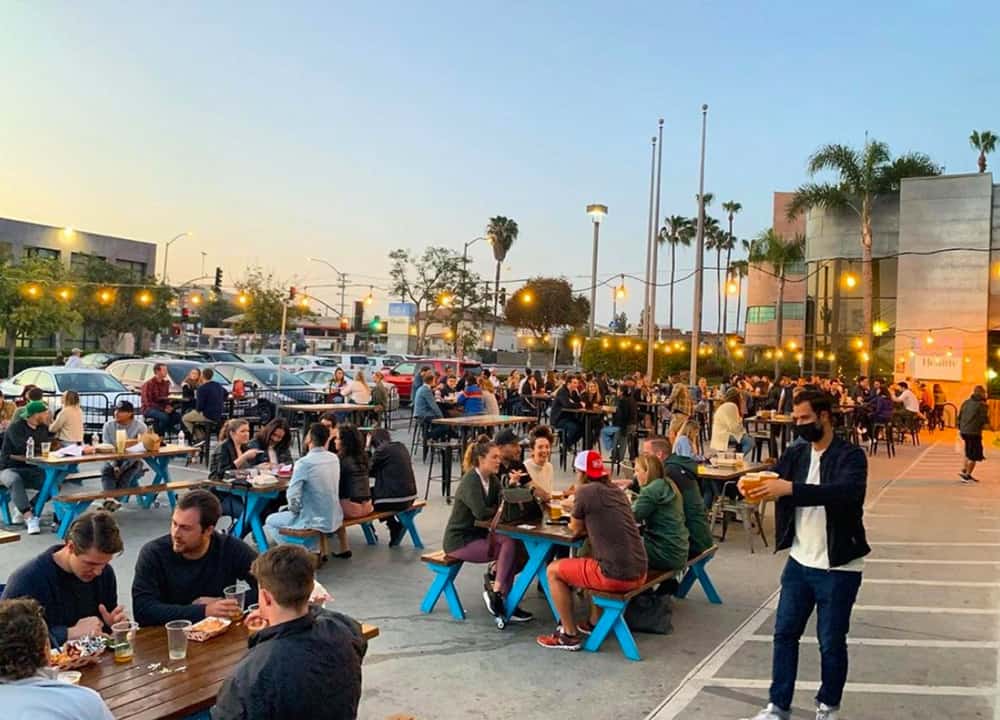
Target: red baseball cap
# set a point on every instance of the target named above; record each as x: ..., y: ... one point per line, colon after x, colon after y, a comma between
x: 590, y: 462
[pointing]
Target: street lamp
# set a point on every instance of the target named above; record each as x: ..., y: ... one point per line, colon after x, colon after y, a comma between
x: 597, y: 213
x: 166, y: 251
x: 343, y: 280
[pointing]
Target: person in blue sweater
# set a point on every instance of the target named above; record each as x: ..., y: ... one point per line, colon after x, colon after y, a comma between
x: 74, y: 582
x: 209, y: 404
x: 426, y: 409
x: 471, y: 397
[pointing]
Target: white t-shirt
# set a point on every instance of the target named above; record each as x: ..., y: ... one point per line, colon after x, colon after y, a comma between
x: 909, y: 400
x: 809, y: 546
x: 541, y: 475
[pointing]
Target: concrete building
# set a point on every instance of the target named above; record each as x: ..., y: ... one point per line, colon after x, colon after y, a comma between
x: 762, y: 288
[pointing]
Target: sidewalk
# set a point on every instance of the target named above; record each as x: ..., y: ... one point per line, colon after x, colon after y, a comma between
x: 925, y: 634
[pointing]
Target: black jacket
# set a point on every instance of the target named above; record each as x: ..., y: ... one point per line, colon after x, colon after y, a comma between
x: 354, y: 483
x: 560, y: 401
x: 304, y: 668
x: 392, y: 469
x: 626, y: 412
x: 843, y: 479
x: 774, y: 396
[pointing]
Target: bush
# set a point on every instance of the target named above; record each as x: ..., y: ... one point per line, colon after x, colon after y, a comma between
x: 620, y: 356
x: 23, y: 362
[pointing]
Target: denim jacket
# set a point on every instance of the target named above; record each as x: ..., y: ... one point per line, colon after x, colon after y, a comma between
x: 313, y: 494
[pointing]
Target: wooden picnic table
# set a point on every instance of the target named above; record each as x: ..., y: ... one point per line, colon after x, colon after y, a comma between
x: 8, y: 537
x: 57, y: 468
x: 134, y: 691
x: 256, y: 499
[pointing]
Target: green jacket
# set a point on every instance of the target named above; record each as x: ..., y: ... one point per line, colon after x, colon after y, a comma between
x: 973, y: 417
x: 684, y: 472
x: 470, y: 504
x: 661, y: 506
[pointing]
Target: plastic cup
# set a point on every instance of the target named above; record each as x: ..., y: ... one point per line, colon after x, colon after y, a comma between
x: 123, y: 636
x: 45, y: 449
x: 238, y: 593
x: 177, y: 639
x: 747, y: 483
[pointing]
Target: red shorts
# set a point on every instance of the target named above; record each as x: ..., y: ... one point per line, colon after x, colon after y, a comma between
x: 586, y: 573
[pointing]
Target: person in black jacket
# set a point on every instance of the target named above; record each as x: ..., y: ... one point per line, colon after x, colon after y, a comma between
x: 820, y: 495
x: 567, y: 396
x: 304, y: 662
x: 395, y: 486
x: 355, y: 488
x: 779, y: 398
x: 625, y: 419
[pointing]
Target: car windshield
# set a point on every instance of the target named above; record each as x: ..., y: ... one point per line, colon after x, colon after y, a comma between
x: 178, y: 373
x: 88, y: 383
x: 325, y: 362
x: 223, y: 356
x: 269, y: 376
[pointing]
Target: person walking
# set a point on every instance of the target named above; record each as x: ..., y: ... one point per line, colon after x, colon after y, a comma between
x: 973, y: 418
x: 820, y: 495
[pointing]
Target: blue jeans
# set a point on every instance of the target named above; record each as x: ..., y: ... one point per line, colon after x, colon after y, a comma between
x: 832, y: 593
x: 608, y: 433
x: 162, y: 422
x: 572, y: 430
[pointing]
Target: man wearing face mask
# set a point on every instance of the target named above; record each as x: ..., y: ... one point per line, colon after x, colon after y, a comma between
x: 819, y: 494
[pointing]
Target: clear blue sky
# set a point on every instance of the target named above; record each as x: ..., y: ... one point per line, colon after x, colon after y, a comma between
x: 276, y: 131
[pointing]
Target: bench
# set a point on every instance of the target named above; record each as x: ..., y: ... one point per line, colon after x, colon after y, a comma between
x: 445, y: 569
x: 307, y: 536
x: 613, y: 604
x: 69, y: 507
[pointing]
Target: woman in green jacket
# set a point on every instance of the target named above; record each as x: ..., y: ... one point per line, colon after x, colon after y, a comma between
x: 661, y: 507
x: 477, y: 499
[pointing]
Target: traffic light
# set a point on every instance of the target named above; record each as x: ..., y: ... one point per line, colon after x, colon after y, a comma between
x: 503, y: 297
x: 185, y: 314
x: 291, y: 294
x: 376, y: 324
x: 218, y: 280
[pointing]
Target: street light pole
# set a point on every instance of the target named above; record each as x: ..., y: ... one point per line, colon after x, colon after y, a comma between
x: 699, y: 256
x: 166, y: 254
x: 343, y: 280
x: 651, y: 320
x: 649, y: 239
x: 597, y: 213
x: 464, y: 287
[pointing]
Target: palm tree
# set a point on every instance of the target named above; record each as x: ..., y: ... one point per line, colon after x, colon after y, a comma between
x: 501, y: 234
x: 716, y: 239
x: 770, y: 248
x: 676, y: 230
x: 732, y: 208
x: 863, y: 177
x: 985, y: 142
x: 739, y: 269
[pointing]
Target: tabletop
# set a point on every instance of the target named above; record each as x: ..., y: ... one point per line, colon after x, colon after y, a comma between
x: 556, y: 532
x: 779, y: 420
x: 483, y: 420
x: 731, y: 473
x: 53, y: 461
x: 138, y: 691
x: 604, y: 409
x: 8, y: 537
x: 324, y: 407
x: 279, y: 486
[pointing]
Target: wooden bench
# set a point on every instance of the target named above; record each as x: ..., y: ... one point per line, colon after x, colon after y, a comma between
x: 613, y: 604
x: 316, y: 538
x: 70, y: 506
x: 445, y: 569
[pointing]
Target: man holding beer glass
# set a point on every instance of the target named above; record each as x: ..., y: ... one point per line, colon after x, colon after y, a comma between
x: 819, y: 498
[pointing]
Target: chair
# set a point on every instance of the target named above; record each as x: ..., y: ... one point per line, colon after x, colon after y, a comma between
x: 442, y: 447
x: 730, y: 502
x: 762, y: 437
x: 882, y: 431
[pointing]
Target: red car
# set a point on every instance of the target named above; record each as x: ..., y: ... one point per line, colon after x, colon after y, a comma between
x: 402, y: 375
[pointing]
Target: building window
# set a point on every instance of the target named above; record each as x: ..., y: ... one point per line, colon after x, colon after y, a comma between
x: 794, y: 311
x: 44, y: 253
x: 795, y: 268
x: 78, y: 262
x: 6, y: 251
x: 760, y: 314
x: 136, y: 269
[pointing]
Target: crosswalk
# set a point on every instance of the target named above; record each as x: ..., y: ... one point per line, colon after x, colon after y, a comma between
x: 925, y: 633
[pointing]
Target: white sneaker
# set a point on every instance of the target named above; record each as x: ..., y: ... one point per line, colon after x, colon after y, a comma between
x: 771, y: 712
x: 32, y: 523
x: 825, y: 712
x: 16, y: 518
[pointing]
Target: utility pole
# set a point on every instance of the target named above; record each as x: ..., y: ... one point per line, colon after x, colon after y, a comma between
x: 651, y: 319
x: 699, y: 257
x: 649, y: 238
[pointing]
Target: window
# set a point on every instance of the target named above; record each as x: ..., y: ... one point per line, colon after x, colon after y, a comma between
x: 795, y: 268
x: 135, y: 372
x: 78, y: 262
x: 45, y: 253
x: 794, y: 311
x: 760, y: 314
x: 28, y: 377
x: 405, y: 369
x: 45, y: 382
x: 136, y: 269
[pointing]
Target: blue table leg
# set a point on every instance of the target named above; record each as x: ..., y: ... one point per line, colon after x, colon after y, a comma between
x: 255, y: 503
x: 538, y: 552
x: 407, y: 519
x: 370, y: 537
x: 54, y: 476
x: 161, y: 475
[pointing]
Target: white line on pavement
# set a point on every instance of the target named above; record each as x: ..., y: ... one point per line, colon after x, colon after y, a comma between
x: 926, y: 609
x: 932, y: 583
x: 908, y: 561
x: 749, y: 684
x: 934, y: 544
x: 897, y: 642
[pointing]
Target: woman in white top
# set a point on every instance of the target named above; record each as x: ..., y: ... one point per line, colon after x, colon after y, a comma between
x: 540, y: 470
x: 490, y: 404
x: 727, y: 425
x: 68, y: 426
x: 358, y: 391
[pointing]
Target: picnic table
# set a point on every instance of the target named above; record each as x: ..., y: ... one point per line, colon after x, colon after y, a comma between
x: 312, y: 411
x: 58, y: 468
x: 726, y: 473
x: 539, y: 539
x: 137, y: 691
x: 256, y: 499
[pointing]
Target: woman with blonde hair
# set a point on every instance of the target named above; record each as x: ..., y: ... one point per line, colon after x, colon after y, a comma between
x: 358, y: 391
x: 681, y: 407
x: 491, y: 405
x: 68, y: 425
x: 660, y: 506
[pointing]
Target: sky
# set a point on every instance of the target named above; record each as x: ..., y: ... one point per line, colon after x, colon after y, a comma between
x: 279, y: 131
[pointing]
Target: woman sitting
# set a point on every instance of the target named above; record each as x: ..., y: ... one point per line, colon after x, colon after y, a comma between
x: 358, y: 391
x: 471, y: 397
x: 660, y: 506
x: 539, y: 467
x: 275, y: 442
x: 687, y: 441
x: 727, y: 425
x: 491, y: 406
x: 355, y: 489
x: 232, y: 453
x: 188, y: 389
x: 477, y: 500
x: 68, y: 425
x: 395, y: 485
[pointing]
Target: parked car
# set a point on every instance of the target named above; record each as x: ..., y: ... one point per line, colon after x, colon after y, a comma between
x: 348, y: 361
x: 401, y: 376
x: 263, y: 379
x: 100, y: 360
x: 320, y: 380
x: 219, y: 355
x: 133, y: 373
x: 99, y: 390
x: 262, y: 359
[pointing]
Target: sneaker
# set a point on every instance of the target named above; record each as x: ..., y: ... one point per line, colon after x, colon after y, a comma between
x: 16, y: 518
x: 771, y: 712
x: 494, y: 603
x: 825, y: 712
x: 111, y: 505
x: 33, y: 526
x: 521, y: 616
x: 560, y: 641
x: 966, y: 478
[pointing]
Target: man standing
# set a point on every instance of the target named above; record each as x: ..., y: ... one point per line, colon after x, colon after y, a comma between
x: 16, y: 475
x: 74, y: 582
x: 156, y: 405
x: 181, y: 576
x: 74, y: 360
x: 121, y: 473
x: 305, y: 662
x: 820, y: 495
x: 973, y: 418
x: 780, y: 397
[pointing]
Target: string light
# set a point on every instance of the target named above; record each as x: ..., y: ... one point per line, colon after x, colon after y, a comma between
x: 880, y: 328
x: 368, y: 300
x: 242, y: 299
x: 144, y: 298
x: 527, y: 297
x: 850, y: 280
x: 64, y: 293
x: 105, y: 296
x: 195, y: 299
x: 929, y: 339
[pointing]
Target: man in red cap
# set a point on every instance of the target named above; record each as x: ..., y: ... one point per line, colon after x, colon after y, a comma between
x: 618, y: 562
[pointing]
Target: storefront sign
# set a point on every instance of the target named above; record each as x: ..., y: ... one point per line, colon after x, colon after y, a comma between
x: 938, y: 367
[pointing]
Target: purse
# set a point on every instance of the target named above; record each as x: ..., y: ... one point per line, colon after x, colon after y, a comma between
x: 518, y: 505
x: 649, y: 613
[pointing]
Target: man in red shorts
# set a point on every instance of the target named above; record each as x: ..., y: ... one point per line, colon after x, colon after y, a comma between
x: 618, y: 562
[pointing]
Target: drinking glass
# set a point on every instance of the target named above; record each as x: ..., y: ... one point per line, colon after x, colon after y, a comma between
x: 237, y: 592
x: 177, y: 639
x: 45, y: 449
x: 123, y: 635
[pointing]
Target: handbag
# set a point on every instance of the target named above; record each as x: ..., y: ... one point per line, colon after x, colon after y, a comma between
x: 649, y: 613
x: 518, y: 505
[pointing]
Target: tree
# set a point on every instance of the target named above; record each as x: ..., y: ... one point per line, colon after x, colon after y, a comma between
x: 429, y: 281
x: 215, y: 309
x: 715, y: 240
x: 544, y: 303
x: 739, y: 269
x: 676, y: 230
x: 501, y: 234
x: 112, y: 309
x: 619, y: 324
x: 985, y: 142
x: 770, y: 248
x: 266, y: 301
x: 732, y: 209
x: 862, y: 178
x: 34, y: 301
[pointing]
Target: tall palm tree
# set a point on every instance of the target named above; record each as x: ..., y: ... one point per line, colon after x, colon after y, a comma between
x: 985, y: 142
x: 676, y: 230
x: 770, y: 248
x: 501, y: 233
x: 732, y: 209
x: 739, y: 269
x: 716, y: 239
x: 862, y: 177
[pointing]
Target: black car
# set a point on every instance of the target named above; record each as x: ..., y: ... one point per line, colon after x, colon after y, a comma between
x: 262, y: 380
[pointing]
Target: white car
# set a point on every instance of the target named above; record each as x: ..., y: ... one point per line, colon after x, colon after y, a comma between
x: 99, y: 391
x: 351, y: 362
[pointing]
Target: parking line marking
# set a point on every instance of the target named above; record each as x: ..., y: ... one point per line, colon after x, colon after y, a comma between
x: 900, y: 642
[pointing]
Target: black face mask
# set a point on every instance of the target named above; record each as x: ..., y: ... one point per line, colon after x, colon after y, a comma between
x: 810, y: 432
